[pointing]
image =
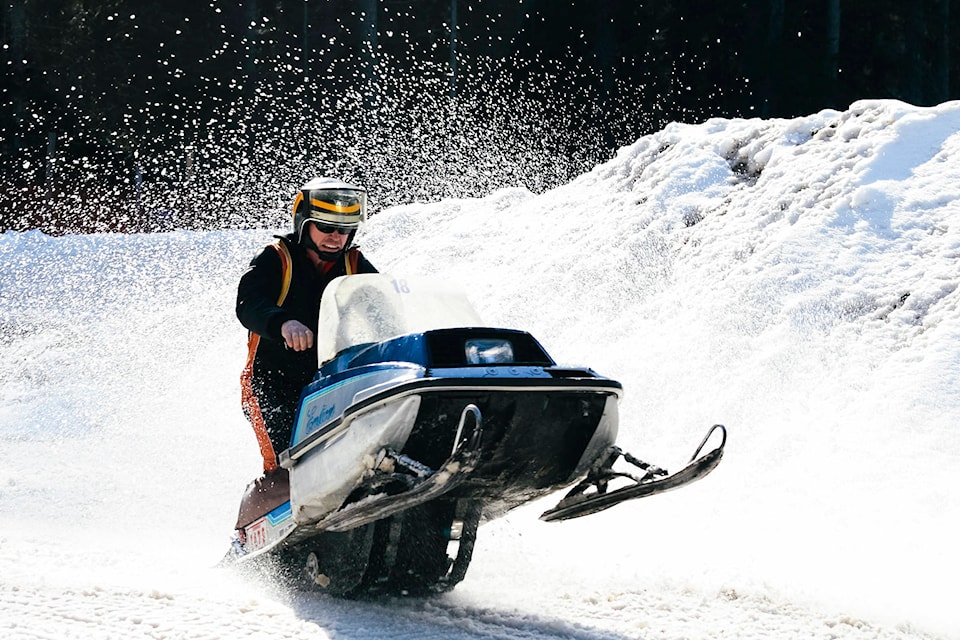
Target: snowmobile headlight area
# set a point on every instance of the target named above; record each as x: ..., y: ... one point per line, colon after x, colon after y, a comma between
x: 488, y: 351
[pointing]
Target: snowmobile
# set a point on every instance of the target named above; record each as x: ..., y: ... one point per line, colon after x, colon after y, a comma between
x: 421, y: 423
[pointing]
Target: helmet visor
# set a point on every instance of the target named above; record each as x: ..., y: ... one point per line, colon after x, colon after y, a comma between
x: 344, y: 208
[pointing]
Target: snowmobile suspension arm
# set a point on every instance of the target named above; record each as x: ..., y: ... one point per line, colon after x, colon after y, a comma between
x: 411, y: 483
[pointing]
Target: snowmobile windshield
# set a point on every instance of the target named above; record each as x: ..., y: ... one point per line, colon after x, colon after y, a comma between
x: 374, y: 307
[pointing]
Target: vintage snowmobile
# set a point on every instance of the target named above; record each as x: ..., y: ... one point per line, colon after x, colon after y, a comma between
x: 421, y: 423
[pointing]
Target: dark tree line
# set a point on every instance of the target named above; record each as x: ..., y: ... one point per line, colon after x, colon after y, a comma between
x: 127, y: 114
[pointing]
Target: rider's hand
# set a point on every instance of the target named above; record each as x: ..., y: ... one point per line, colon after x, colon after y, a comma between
x: 297, y: 336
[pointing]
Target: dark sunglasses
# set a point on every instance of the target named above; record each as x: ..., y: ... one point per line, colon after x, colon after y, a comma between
x: 328, y: 229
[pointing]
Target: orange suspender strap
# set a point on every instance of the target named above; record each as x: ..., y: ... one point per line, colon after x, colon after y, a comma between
x: 353, y: 256
x: 286, y: 263
x: 249, y: 402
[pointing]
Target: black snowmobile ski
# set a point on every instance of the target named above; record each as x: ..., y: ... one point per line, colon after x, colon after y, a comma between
x: 578, y: 502
x: 388, y: 493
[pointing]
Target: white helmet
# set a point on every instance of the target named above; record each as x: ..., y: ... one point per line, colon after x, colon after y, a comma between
x: 329, y: 202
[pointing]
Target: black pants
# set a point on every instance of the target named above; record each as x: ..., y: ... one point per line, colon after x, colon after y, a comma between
x: 278, y: 401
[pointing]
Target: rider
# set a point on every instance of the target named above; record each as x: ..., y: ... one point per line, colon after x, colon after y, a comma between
x: 278, y: 301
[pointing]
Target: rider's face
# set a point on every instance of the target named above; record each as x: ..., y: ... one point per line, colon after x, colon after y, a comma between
x: 332, y: 242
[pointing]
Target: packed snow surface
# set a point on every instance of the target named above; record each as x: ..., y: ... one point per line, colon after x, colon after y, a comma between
x: 795, y: 280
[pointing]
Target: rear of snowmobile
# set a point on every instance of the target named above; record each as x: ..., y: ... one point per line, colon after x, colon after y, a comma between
x: 420, y: 424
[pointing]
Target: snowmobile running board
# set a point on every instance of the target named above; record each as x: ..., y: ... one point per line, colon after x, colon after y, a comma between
x: 418, y: 485
x: 578, y: 502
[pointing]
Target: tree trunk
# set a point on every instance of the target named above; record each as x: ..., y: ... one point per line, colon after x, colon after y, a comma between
x: 370, y: 40
x: 940, y: 81
x: 453, y: 48
x: 833, y: 41
x: 912, y: 86
x: 17, y: 20
x: 772, y: 57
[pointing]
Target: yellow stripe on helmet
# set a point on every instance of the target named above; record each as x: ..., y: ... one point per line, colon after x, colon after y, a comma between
x: 338, y: 208
x: 296, y: 203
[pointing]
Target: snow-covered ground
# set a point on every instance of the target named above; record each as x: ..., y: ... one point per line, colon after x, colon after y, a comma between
x: 796, y: 280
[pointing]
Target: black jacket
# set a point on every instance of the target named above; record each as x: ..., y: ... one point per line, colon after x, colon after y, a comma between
x: 257, y: 310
